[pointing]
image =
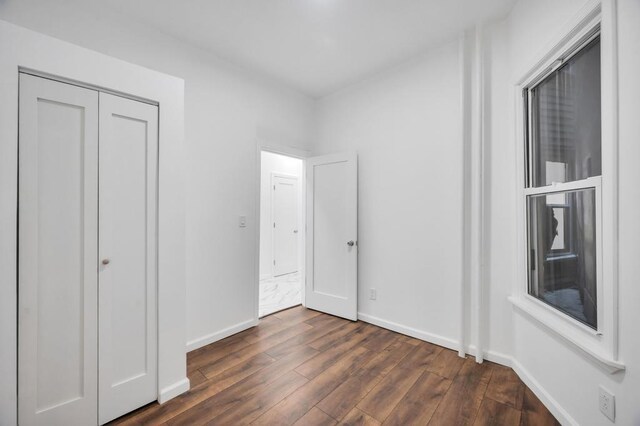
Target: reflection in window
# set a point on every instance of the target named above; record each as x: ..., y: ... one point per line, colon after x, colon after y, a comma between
x: 562, y: 241
x: 565, y: 121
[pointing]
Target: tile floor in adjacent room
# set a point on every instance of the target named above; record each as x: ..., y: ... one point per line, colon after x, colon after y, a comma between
x: 280, y: 293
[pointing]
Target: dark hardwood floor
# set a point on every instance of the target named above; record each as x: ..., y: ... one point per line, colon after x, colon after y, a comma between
x: 303, y: 367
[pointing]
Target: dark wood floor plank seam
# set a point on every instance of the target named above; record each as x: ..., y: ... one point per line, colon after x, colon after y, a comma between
x: 316, y: 406
x: 385, y: 396
x: 304, y: 338
x: 248, y: 352
x: 247, y: 387
x: 292, y: 408
x: 325, y: 342
x: 420, y: 402
x: 355, y: 388
x: 326, y: 359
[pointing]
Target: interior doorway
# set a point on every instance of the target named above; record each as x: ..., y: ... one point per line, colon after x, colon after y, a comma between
x: 281, y: 265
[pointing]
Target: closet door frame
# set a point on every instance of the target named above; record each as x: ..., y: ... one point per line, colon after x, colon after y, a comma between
x: 34, y: 53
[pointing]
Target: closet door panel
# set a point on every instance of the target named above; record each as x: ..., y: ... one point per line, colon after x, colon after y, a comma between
x: 58, y: 171
x: 128, y: 307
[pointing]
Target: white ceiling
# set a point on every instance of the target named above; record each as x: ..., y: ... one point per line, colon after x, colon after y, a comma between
x: 314, y: 46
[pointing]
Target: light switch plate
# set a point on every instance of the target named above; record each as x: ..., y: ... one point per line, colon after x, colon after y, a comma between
x: 607, y: 403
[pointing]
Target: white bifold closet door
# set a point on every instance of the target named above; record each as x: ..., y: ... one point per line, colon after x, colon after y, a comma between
x: 57, y: 254
x: 127, y: 245
x: 87, y: 339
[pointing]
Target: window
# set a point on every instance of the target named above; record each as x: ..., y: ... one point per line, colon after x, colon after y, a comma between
x: 567, y: 187
x: 563, y: 172
x: 564, y: 277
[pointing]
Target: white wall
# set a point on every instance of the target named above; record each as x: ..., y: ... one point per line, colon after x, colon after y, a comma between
x: 275, y: 163
x: 226, y: 111
x: 405, y: 127
x: 561, y: 371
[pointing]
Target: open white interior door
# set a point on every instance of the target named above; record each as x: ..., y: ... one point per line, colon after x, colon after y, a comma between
x: 332, y: 240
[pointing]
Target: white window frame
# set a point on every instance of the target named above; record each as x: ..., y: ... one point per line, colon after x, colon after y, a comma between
x: 598, y: 16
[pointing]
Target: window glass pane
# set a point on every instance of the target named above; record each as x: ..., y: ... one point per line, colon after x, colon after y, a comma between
x: 562, y: 246
x: 565, y: 114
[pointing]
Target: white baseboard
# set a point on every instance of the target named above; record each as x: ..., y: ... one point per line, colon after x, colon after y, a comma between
x: 174, y: 390
x: 410, y: 331
x: 446, y: 342
x: 493, y: 356
x: 218, y: 335
x: 556, y: 409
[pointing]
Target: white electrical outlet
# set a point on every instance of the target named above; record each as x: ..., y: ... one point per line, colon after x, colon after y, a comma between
x: 607, y: 402
x: 372, y: 294
x: 242, y: 222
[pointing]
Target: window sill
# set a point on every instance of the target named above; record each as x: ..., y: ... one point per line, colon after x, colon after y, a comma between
x: 537, y: 313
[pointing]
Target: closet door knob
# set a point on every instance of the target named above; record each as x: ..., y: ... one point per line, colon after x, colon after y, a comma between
x: 350, y: 243
x: 105, y: 261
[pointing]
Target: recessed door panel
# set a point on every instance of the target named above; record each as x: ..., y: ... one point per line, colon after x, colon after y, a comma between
x: 128, y: 187
x: 58, y: 188
x: 329, y: 207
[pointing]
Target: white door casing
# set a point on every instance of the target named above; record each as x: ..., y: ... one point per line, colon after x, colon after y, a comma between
x: 58, y: 241
x: 128, y: 255
x: 285, y: 212
x: 332, y: 226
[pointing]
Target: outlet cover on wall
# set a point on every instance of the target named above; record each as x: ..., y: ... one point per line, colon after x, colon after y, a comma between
x: 607, y: 402
x: 372, y: 294
x: 242, y: 222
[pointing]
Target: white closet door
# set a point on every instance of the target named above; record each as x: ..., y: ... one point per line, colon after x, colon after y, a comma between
x: 285, y: 224
x: 332, y: 235
x: 58, y: 189
x: 128, y: 290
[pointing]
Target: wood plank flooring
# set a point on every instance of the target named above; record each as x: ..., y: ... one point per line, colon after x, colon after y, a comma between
x: 302, y: 367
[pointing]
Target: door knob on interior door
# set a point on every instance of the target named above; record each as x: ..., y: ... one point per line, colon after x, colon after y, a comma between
x: 105, y: 261
x: 295, y: 231
x: 350, y: 243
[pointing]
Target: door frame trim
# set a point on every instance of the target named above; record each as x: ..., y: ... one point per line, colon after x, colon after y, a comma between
x: 289, y: 151
x: 60, y: 79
